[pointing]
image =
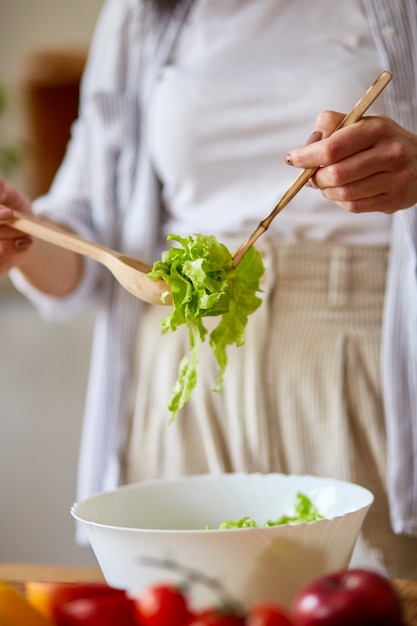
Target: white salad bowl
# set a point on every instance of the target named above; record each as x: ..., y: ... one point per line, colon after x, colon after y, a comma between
x: 155, y: 531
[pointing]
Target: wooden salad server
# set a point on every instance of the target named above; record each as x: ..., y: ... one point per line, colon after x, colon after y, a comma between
x: 129, y: 272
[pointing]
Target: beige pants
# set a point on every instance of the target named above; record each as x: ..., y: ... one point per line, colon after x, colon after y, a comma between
x: 301, y: 396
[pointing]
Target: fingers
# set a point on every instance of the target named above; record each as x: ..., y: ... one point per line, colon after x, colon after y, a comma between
x: 327, y: 122
x: 11, y: 239
x: 5, y: 213
x: 370, y: 165
x: 330, y: 149
x: 13, y: 243
x: 12, y: 252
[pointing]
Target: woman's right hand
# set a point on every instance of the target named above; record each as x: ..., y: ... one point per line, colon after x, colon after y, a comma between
x: 49, y: 268
x: 14, y: 245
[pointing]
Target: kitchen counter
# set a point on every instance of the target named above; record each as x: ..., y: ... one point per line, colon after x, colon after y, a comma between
x: 17, y: 573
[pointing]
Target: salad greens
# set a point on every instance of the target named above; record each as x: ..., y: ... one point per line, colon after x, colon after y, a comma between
x: 203, y: 282
x: 304, y: 512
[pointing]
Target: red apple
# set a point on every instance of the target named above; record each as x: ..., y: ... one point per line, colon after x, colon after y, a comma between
x: 354, y: 597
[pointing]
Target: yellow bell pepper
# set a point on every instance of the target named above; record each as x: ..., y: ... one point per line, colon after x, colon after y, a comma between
x: 16, y: 611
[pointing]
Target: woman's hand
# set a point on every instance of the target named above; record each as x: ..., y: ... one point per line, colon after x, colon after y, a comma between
x: 47, y: 267
x: 14, y: 245
x: 370, y: 165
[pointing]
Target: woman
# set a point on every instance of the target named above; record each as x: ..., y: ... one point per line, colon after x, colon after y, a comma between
x: 189, y: 115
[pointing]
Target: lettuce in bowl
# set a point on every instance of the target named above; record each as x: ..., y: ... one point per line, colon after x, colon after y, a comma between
x: 305, y: 511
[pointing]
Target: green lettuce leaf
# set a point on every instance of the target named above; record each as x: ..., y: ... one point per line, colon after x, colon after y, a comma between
x: 304, y: 513
x: 203, y: 282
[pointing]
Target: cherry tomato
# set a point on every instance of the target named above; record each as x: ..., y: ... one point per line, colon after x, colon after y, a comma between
x: 216, y: 617
x: 109, y: 610
x: 267, y: 615
x: 162, y: 605
x: 47, y: 597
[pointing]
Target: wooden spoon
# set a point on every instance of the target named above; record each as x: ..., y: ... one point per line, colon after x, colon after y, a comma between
x: 356, y: 113
x: 129, y: 272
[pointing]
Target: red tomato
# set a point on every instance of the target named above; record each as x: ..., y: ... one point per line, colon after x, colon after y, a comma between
x: 162, y: 605
x: 267, y: 615
x: 216, y: 617
x: 47, y: 597
x: 110, y: 610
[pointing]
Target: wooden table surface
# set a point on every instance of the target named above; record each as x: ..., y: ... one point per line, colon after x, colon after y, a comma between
x: 17, y: 573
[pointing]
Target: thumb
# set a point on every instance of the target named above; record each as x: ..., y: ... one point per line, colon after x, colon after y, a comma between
x: 326, y: 124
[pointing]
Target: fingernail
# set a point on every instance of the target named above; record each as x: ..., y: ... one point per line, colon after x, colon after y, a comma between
x: 22, y: 243
x: 316, y: 135
x: 288, y: 159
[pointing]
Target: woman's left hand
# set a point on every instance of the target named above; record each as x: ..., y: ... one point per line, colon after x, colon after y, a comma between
x: 370, y: 165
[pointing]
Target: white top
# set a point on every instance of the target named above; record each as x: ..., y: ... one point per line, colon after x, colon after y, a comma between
x: 219, y: 129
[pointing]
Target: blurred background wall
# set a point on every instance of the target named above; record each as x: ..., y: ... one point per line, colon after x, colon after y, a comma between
x: 43, y: 366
